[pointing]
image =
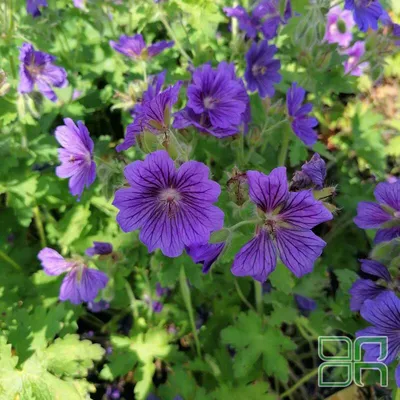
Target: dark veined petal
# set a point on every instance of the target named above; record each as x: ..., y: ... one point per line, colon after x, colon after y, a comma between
x: 315, y: 169
x: 370, y: 215
x: 193, y: 184
x: 303, y: 211
x: 375, y: 268
x: 91, y: 282
x: 298, y: 250
x: 257, y: 258
x: 363, y: 289
x: 158, y: 47
x: 385, y: 235
x: 53, y: 263
x: 102, y: 248
x: 205, y: 254
x: 397, y: 375
x: 389, y: 194
x: 268, y: 191
x: 383, y: 312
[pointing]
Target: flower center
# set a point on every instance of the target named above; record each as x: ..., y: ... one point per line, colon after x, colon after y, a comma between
x: 271, y: 222
x: 170, y: 195
x: 397, y: 214
x: 35, y: 70
x: 209, y: 102
x: 170, y: 199
x: 259, y: 70
x: 352, y: 60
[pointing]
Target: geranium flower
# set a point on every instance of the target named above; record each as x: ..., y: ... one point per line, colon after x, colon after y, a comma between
x: 80, y: 284
x: 37, y: 68
x: 76, y: 156
x: 287, y: 220
x: 172, y: 208
x: 384, y: 215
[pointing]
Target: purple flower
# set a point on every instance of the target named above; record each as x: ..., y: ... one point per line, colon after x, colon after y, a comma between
x: 218, y: 95
x: 102, y: 248
x: 152, y: 115
x: 134, y: 47
x: 305, y: 304
x: 32, y: 7
x: 312, y: 174
x: 384, y: 216
x: 113, y: 393
x: 37, y: 68
x: 161, y: 291
x: 262, y: 70
x: 338, y: 27
x: 187, y: 117
x: 364, y: 289
x: 265, y: 17
x: 383, y: 313
x: 205, y: 254
x: 79, y: 3
x: 288, y: 218
x: 172, y: 208
x: 76, y: 156
x: 366, y: 13
x: 98, y: 306
x: 81, y: 284
x: 302, y: 124
x: 352, y: 65
x: 157, y: 306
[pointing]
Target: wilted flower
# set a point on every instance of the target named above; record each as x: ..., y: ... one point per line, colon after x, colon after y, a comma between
x: 302, y: 124
x: 313, y: 173
x: 76, y: 156
x: 352, y: 65
x: 32, y: 7
x: 172, y: 208
x: 338, y: 27
x: 218, y: 97
x: 384, y: 215
x: 205, y: 254
x: 383, y: 313
x: 134, y: 47
x: 262, y: 70
x: 101, y: 248
x: 37, y: 68
x: 153, y: 115
x: 364, y: 289
x: 366, y: 13
x: 81, y: 284
x: 287, y: 220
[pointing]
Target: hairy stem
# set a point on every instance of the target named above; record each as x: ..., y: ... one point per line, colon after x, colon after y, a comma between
x: 299, y: 383
x: 39, y: 226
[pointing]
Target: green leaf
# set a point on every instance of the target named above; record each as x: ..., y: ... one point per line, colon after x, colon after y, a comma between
x: 71, y: 357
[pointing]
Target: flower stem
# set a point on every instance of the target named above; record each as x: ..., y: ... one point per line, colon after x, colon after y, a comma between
x: 284, y: 148
x: 242, y: 223
x: 132, y: 301
x: 173, y: 36
x: 259, y: 297
x: 189, y: 306
x: 6, y: 258
x: 144, y: 67
x: 39, y: 226
x: 299, y: 383
x: 242, y: 297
